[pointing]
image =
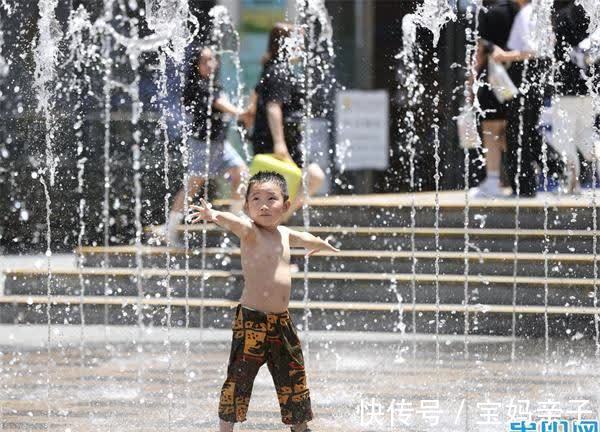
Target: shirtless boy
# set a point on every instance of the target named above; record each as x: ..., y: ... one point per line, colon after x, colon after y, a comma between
x: 262, y: 329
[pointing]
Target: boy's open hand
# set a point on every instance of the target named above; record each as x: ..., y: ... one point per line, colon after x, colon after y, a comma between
x: 325, y: 246
x: 204, y: 212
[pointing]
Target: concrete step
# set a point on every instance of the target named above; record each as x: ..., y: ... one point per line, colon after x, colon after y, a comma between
x: 322, y: 286
x: 494, y: 264
x: 579, y: 218
x: 400, y: 238
x: 394, y: 210
x: 216, y: 313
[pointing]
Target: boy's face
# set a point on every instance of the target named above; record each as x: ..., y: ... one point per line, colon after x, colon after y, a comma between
x: 265, y: 204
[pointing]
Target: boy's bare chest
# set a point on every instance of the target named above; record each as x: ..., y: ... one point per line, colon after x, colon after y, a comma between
x: 266, y: 250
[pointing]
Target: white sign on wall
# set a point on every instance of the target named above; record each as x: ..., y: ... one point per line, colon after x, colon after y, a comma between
x: 362, y: 122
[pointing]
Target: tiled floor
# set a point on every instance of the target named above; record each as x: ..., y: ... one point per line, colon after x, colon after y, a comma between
x: 358, y: 381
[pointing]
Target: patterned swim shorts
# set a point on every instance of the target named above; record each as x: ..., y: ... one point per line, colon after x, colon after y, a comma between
x: 259, y: 338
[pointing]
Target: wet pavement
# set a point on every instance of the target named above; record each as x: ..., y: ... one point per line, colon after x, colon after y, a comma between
x: 127, y: 380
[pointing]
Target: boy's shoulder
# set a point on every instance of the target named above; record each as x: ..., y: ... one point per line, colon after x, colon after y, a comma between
x: 284, y: 230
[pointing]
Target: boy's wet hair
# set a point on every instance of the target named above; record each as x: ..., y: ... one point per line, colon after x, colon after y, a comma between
x: 268, y: 177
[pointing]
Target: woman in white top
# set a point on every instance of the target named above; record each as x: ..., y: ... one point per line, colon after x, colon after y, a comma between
x: 528, y: 64
x: 494, y: 25
x: 573, y: 114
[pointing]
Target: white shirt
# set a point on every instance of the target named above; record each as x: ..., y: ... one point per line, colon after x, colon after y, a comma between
x: 521, y: 33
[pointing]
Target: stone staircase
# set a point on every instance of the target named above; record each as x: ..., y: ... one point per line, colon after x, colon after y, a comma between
x: 368, y: 286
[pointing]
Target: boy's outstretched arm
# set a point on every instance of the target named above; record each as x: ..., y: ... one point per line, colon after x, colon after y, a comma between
x: 308, y: 241
x: 240, y: 227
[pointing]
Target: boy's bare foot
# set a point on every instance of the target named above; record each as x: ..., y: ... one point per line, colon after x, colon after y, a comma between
x: 225, y: 426
x: 302, y: 427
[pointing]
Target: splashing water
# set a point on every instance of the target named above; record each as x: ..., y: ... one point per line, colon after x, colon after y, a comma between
x: 410, y: 57
x: 409, y: 35
x: 170, y: 41
x: 165, y: 17
x: 228, y: 38
x: 433, y: 15
x: 49, y: 366
x: 107, y: 64
x: 162, y: 91
x: 82, y: 55
x: 312, y: 29
x: 595, y: 167
x: 223, y: 30
x: 524, y: 85
x: 593, y: 12
x: 95, y: 42
x: 471, y: 36
x: 542, y: 33
x: 81, y: 213
x: 317, y: 12
x: 302, y: 21
x: 547, y: 78
x: 46, y: 54
x: 4, y: 68
x: 6, y: 6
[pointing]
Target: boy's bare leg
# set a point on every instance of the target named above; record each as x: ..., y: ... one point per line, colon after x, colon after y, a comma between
x: 316, y: 177
x: 225, y: 426
x: 299, y: 427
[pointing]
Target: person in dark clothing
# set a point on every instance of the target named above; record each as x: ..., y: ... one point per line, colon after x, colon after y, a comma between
x: 208, y: 132
x: 570, y: 27
x: 278, y: 85
x: 494, y: 27
x: 278, y: 104
x: 196, y: 97
x: 524, y: 142
x: 572, y: 109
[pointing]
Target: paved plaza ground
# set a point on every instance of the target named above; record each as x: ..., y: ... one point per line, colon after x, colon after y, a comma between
x: 358, y: 381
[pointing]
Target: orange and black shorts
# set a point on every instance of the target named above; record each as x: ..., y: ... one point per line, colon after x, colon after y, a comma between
x: 259, y: 338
